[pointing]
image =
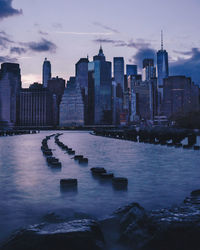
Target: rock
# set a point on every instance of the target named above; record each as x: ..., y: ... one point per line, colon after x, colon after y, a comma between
x: 176, y: 228
x: 74, y: 235
x: 195, y: 192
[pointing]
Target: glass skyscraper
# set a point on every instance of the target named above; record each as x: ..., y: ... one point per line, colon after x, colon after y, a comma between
x: 119, y: 71
x: 162, y: 64
x: 100, y: 83
x: 131, y: 70
x: 46, y: 72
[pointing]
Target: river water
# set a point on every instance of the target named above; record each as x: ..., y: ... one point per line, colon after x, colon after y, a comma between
x: 159, y: 176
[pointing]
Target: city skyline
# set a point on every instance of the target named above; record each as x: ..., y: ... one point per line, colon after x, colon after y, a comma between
x: 56, y: 32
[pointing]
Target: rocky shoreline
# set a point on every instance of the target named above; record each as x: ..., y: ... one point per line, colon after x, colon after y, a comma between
x: 130, y: 227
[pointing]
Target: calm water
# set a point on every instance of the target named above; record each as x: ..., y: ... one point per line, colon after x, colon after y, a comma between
x: 158, y: 177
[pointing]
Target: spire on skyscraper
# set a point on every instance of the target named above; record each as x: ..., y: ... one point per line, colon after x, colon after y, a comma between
x: 101, y: 51
x: 162, y: 40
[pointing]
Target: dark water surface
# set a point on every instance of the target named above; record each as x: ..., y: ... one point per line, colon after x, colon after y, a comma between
x: 158, y: 177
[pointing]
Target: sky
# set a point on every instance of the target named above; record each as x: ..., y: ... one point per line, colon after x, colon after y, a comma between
x: 66, y: 30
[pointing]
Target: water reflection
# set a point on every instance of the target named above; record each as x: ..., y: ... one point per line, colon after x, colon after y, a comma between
x: 158, y: 176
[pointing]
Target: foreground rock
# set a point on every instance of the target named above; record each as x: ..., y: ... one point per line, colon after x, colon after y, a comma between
x: 177, y: 228
x: 74, y: 235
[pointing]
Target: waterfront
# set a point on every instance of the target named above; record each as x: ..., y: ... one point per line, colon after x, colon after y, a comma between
x: 158, y: 176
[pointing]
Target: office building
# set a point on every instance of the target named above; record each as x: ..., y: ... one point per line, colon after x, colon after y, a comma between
x: 46, y: 72
x: 72, y: 107
x: 148, y: 71
x: 100, y: 84
x: 162, y: 64
x: 119, y: 71
x: 10, y: 84
x: 180, y: 96
x: 37, y: 107
x: 131, y: 70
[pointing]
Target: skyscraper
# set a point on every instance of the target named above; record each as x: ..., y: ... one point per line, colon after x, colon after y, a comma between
x: 162, y: 64
x: 72, y: 106
x: 37, y: 107
x: 10, y: 84
x: 119, y: 71
x: 82, y: 80
x: 82, y: 74
x: 46, y: 72
x: 100, y: 84
x: 131, y: 70
x: 149, y: 71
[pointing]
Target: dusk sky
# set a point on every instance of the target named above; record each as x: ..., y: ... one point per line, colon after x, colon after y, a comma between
x: 66, y: 30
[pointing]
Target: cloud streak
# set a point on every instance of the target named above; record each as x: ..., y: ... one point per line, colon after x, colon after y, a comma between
x: 84, y: 33
x: 4, y: 59
x: 106, y: 27
x: 4, y: 40
x: 6, y: 9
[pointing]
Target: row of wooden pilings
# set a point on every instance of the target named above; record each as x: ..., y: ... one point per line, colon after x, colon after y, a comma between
x: 17, y: 132
x: 164, y: 137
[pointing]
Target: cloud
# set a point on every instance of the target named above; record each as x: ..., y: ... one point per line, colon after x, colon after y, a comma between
x: 110, y: 41
x: 43, y: 33
x: 187, y: 66
x: 43, y: 46
x: 7, y: 10
x: 139, y: 44
x: 4, y: 40
x: 83, y: 33
x: 17, y: 50
x: 105, y: 27
x: 4, y: 59
x: 142, y: 54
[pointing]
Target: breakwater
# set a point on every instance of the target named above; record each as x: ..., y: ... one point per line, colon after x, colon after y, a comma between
x: 165, y: 136
x: 17, y: 132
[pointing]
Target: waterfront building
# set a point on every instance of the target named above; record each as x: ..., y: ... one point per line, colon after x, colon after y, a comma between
x: 148, y: 71
x: 119, y: 71
x: 82, y: 74
x: 10, y: 84
x: 37, y: 107
x: 131, y: 69
x: 46, y: 72
x: 100, y: 84
x: 71, y: 82
x: 180, y: 96
x: 72, y: 107
x: 56, y: 86
x: 162, y: 72
x: 143, y: 98
x: 162, y: 64
x: 114, y: 102
x: 82, y: 80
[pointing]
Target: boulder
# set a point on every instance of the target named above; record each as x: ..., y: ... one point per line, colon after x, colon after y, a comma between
x: 74, y: 235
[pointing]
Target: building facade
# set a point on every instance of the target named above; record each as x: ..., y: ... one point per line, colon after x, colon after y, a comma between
x: 180, y: 96
x: 37, y: 107
x: 46, y: 72
x: 10, y: 84
x: 72, y: 107
x: 119, y: 71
